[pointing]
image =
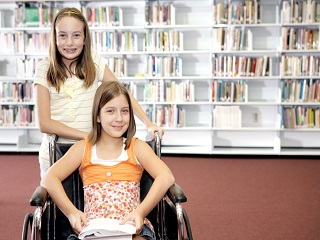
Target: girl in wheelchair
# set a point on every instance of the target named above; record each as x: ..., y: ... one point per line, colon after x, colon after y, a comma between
x: 111, y: 161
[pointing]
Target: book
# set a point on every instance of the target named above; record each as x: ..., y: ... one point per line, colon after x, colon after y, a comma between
x: 108, y: 229
x: 32, y: 16
x: 286, y: 9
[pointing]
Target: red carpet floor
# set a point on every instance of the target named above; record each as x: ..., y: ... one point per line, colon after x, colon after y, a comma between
x: 250, y: 199
x: 228, y: 198
x: 18, y: 179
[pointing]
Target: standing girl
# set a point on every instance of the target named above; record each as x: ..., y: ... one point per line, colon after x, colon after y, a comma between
x: 111, y: 163
x: 66, y: 82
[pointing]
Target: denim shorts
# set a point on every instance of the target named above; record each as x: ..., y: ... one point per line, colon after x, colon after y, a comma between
x: 146, y: 232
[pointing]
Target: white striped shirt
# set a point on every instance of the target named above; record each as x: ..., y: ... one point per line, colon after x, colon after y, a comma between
x: 72, y: 106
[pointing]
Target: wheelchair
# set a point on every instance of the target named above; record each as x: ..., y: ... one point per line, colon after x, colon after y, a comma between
x: 47, y: 222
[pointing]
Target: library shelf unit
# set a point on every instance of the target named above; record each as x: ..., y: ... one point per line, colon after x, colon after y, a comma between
x: 218, y: 85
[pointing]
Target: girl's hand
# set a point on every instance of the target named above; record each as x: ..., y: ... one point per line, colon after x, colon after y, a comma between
x: 77, y: 221
x: 154, y: 128
x: 136, y: 218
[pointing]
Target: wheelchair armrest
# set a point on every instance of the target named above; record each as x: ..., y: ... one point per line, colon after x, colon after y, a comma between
x: 39, y: 197
x: 176, y: 194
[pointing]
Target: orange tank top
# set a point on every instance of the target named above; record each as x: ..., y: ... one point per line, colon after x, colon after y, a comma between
x: 128, y: 170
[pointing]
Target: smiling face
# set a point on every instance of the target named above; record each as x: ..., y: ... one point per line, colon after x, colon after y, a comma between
x: 114, y: 116
x: 70, y: 38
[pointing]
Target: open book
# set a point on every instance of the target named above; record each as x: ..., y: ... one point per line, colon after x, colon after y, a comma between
x: 108, y: 229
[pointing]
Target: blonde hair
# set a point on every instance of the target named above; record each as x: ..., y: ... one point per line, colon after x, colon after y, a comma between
x: 85, y: 67
x: 105, y: 93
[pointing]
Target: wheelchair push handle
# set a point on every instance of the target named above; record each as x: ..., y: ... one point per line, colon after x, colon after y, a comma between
x: 157, y: 141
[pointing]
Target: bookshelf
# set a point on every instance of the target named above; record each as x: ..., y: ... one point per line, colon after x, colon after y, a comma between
x: 217, y: 84
x: 300, y: 76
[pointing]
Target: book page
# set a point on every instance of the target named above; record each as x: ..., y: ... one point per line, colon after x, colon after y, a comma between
x: 105, y: 228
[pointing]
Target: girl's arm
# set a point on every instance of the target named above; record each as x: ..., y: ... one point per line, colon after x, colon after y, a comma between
x: 46, y: 123
x: 52, y: 181
x: 138, y: 111
x: 158, y: 170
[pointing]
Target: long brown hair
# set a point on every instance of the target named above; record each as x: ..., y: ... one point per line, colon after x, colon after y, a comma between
x: 85, y: 67
x: 105, y: 93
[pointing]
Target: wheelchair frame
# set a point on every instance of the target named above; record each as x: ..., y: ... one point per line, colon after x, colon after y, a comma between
x: 171, y: 202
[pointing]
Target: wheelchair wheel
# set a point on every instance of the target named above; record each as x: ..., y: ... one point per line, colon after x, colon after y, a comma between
x: 26, y: 224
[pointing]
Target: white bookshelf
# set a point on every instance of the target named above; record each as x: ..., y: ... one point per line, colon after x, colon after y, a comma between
x: 261, y: 130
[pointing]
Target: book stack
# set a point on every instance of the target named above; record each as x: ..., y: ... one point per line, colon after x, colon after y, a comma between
x: 229, y: 91
x: 301, y: 117
x: 163, y: 40
x: 159, y: 14
x: 103, y: 16
x: 240, y: 66
x: 235, y: 12
x: 227, y: 117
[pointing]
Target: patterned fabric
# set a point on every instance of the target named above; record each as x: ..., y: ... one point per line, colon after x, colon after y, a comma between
x: 111, y: 199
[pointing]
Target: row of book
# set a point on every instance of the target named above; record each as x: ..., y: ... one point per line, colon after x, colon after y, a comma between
x: 40, y: 14
x: 300, y: 90
x: 223, y: 39
x: 12, y: 42
x: 118, y: 66
x: 16, y: 92
x: 301, y: 117
x: 155, y: 40
x: 227, y: 39
x: 229, y: 91
x: 114, y: 41
x: 37, y: 42
x: 240, y: 66
x: 35, y: 14
x: 8, y: 41
x: 227, y: 117
x: 169, y: 91
x: 174, y: 116
x: 168, y: 116
x: 156, y: 66
x: 222, y: 66
x: 234, y: 39
x: 307, y: 65
x: 236, y: 12
x: 172, y: 91
x: 231, y: 39
x: 26, y: 67
x: 20, y: 42
x: 163, y: 66
x: 17, y: 116
x: 300, y: 39
x: 106, y: 41
x: 302, y: 11
x: 159, y: 13
x: 103, y: 16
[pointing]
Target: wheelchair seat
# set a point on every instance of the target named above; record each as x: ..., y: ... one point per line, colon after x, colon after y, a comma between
x: 169, y: 219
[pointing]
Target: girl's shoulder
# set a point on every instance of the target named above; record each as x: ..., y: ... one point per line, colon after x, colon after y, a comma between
x: 96, y: 57
x: 139, y: 145
x: 94, y: 53
x: 44, y: 63
x: 80, y: 144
